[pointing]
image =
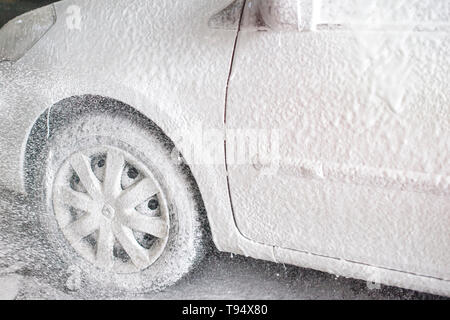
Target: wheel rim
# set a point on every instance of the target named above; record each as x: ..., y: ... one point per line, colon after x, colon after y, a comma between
x: 111, y: 209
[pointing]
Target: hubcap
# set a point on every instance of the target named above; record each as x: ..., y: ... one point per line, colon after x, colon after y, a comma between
x: 111, y: 209
x: 108, y: 211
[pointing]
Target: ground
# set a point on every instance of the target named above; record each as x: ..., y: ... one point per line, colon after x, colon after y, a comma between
x: 219, y: 276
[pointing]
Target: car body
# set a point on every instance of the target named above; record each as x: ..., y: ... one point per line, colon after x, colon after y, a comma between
x: 353, y: 115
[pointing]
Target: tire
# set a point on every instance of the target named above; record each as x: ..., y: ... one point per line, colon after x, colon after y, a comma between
x: 179, y: 224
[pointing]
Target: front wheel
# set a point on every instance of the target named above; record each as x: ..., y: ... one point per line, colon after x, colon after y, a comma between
x: 117, y: 207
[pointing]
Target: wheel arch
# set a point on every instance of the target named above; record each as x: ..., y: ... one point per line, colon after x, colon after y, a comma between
x: 69, y: 109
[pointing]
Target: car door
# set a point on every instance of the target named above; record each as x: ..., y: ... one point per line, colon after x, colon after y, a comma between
x: 338, y: 130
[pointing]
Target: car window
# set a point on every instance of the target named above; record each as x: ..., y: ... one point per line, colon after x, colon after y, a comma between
x: 10, y: 9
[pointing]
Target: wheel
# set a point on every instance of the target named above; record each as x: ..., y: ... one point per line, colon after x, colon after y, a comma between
x: 117, y: 207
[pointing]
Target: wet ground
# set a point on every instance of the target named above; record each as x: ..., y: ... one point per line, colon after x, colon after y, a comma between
x: 23, y: 253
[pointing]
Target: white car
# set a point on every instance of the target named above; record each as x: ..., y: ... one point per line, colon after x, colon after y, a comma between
x: 312, y: 133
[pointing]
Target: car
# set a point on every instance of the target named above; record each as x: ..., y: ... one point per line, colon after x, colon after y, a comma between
x: 311, y: 133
